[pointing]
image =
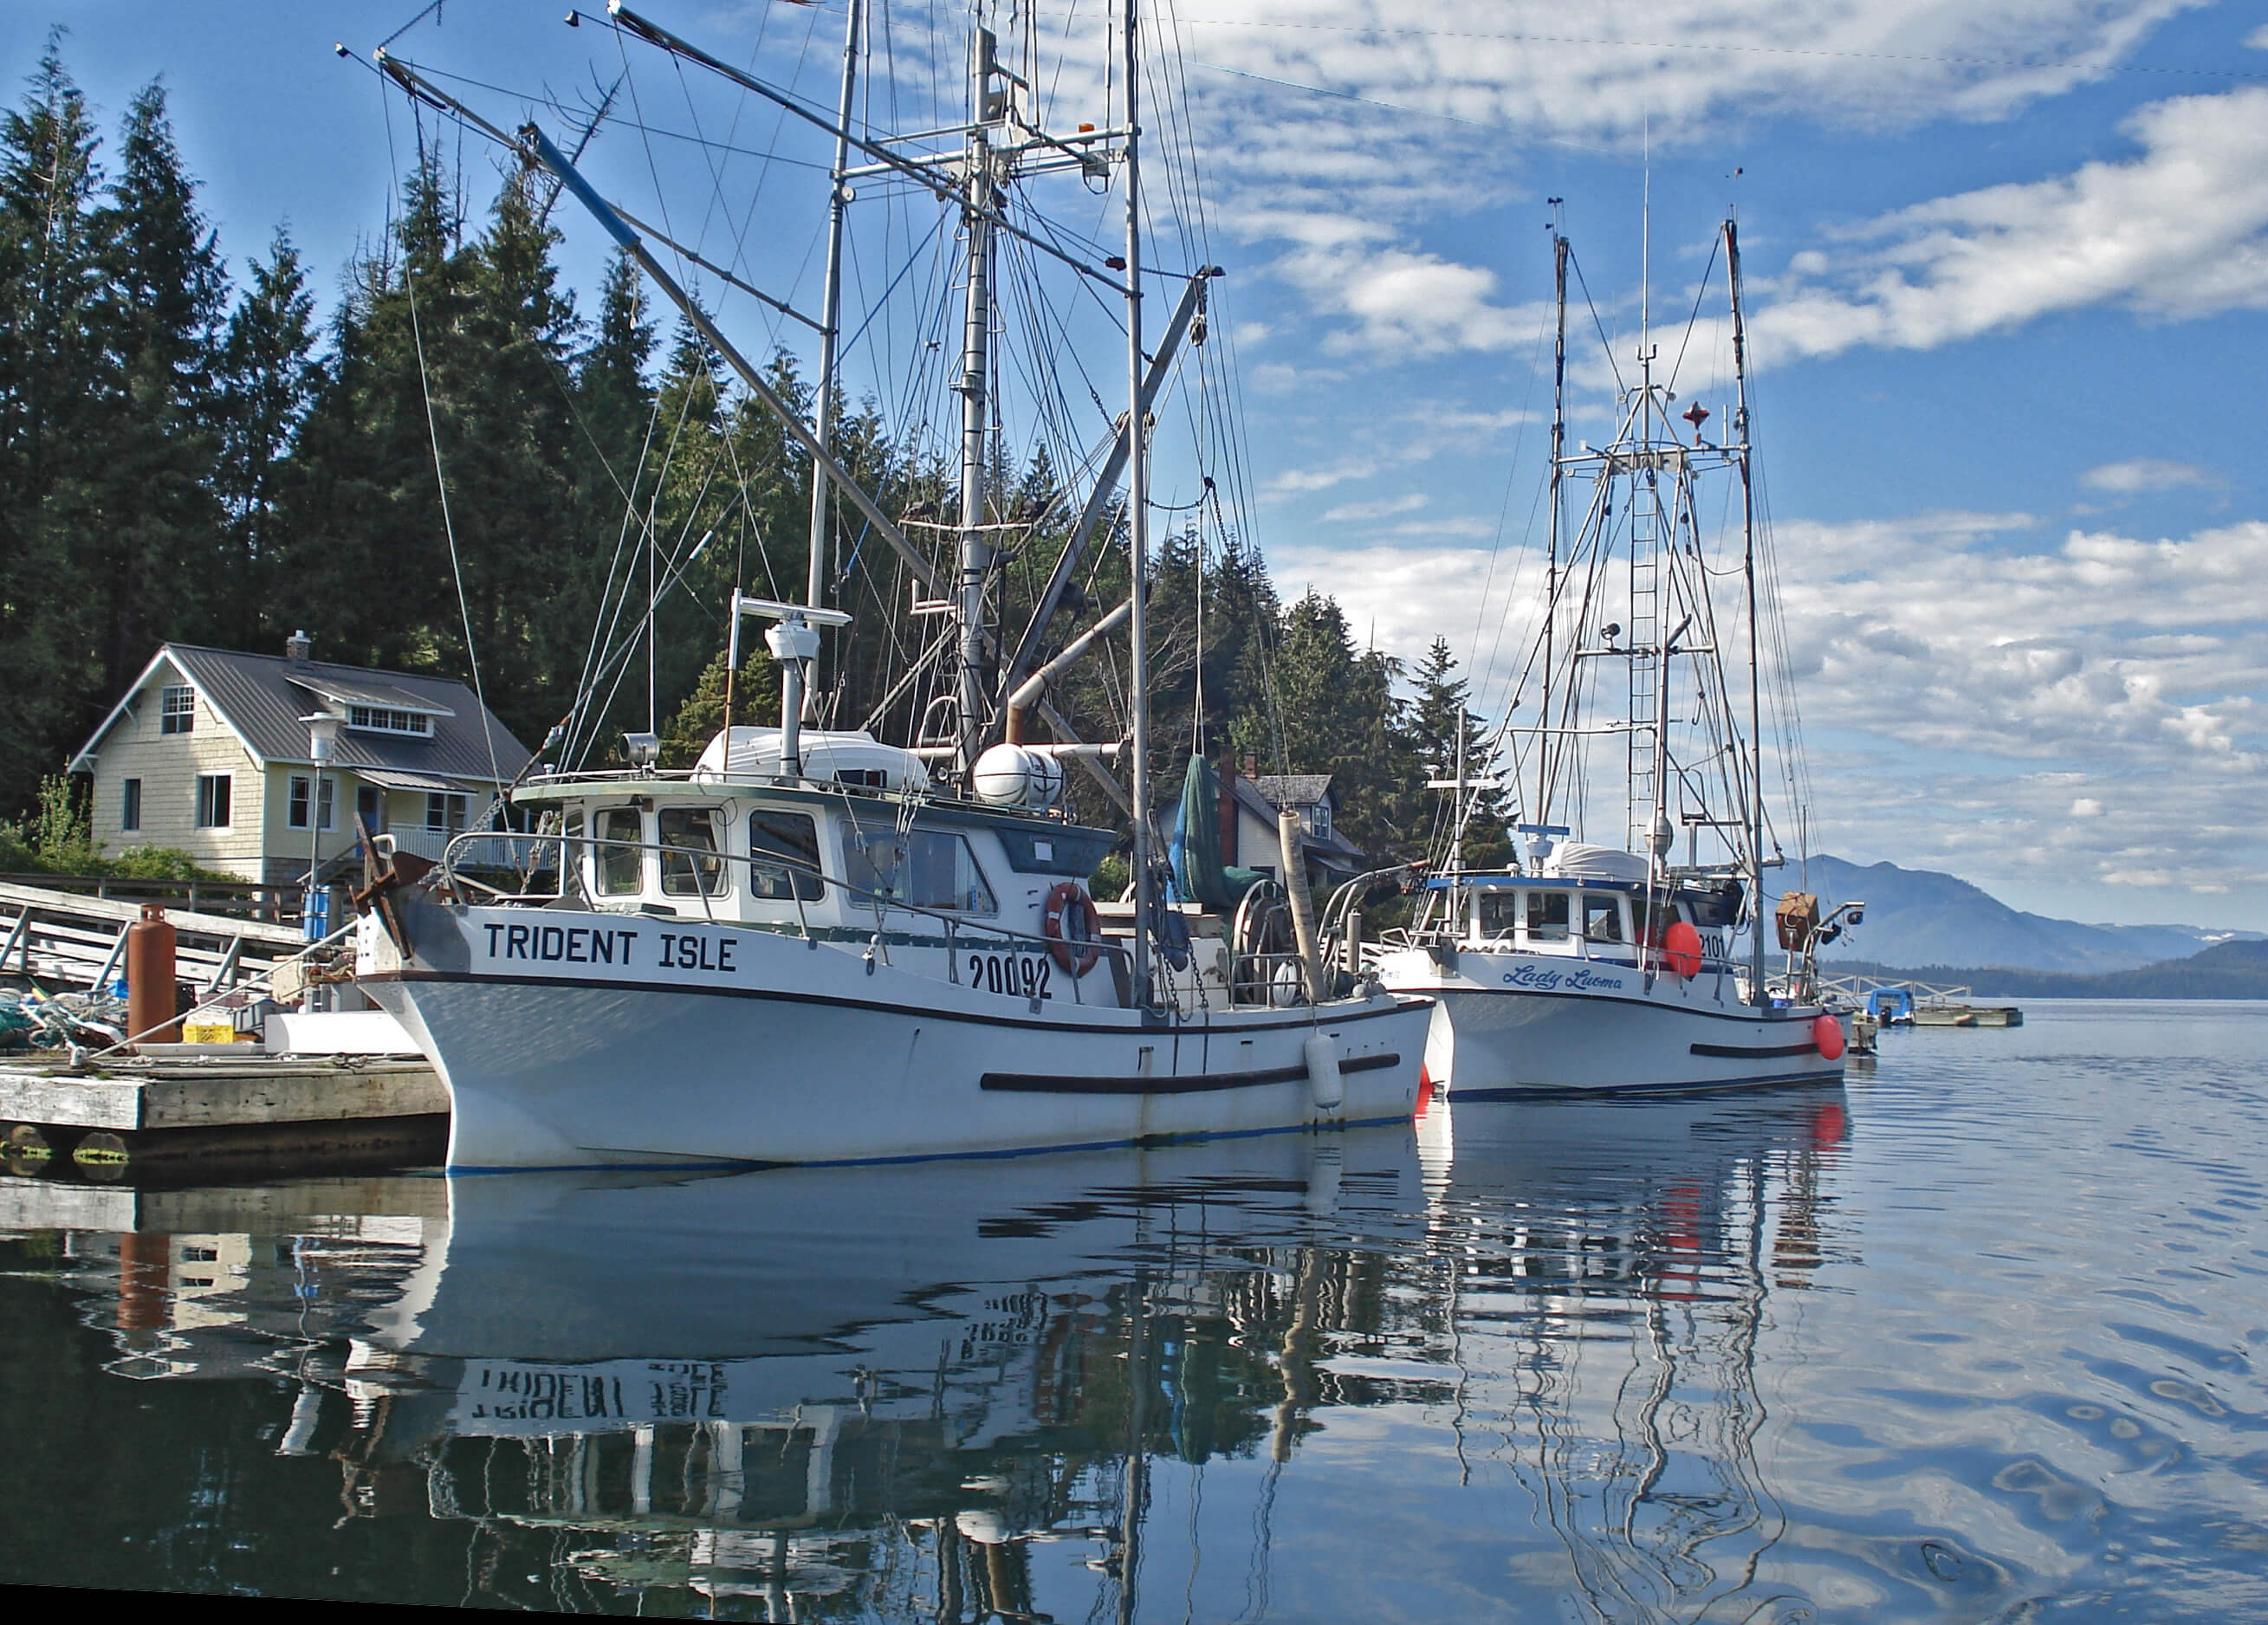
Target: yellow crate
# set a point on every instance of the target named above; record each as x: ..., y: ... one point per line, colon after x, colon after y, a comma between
x: 208, y: 1033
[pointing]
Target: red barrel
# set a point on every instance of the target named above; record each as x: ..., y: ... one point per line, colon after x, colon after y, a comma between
x: 150, y: 1003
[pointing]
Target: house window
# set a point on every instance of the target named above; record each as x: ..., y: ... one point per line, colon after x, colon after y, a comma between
x: 370, y: 807
x: 1319, y: 820
x: 177, y: 710
x: 295, y: 813
x: 378, y: 719
x: 129, y: 806
x: 444, y: 814
x: 212, y: 800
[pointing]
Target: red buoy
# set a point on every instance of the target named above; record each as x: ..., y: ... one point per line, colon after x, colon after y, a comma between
x: 1681, y: 949
x: 1827, y: 1032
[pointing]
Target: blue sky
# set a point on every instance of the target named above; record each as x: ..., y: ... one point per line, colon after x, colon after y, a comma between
x: 2006, y: 266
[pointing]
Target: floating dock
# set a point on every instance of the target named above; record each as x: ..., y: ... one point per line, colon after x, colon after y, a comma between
x: 1945, y: 1013
x: 204, y: 1106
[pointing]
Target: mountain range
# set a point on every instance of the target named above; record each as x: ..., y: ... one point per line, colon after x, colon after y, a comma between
x: 1917, y: 917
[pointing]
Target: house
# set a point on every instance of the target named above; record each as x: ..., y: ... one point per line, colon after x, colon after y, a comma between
x: 210, y: 752
x: 1250, y: 803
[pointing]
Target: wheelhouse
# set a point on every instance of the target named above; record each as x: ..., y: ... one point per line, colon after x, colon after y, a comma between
x: 1590, y: 918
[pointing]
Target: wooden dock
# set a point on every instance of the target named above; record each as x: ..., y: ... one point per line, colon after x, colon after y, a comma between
x: 210, y: 1106
x: 1945, y: 1013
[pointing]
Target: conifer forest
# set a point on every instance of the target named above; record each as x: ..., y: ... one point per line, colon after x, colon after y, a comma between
x: 204, y: 444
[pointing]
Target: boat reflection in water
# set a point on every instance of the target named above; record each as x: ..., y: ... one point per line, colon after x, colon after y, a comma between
x: 1516, y: 1350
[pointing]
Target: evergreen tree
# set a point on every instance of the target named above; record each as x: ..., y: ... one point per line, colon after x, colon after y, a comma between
x: 269, y: 377
x: 156, y: 552
x: 1439, y: 716
x: 53, y: 378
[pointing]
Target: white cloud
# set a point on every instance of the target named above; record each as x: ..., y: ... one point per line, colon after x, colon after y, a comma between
x: 2146, y: 473
x: 2259, y: 38
x: 1618, y: 68
x: 1948, y: 700
x: 2179, y: 230
x: 1379, y: 509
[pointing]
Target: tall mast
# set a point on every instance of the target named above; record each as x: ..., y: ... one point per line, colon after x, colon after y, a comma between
x: 831, y: 308
x: 978, y: 179
x: 1137, y: 519
x: 1756, y: 807
x: 1552, y: 546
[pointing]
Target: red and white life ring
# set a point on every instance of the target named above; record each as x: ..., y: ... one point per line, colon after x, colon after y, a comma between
x: 1072, y: 928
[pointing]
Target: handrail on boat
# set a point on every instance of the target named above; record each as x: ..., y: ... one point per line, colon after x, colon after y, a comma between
x: 882, y: 901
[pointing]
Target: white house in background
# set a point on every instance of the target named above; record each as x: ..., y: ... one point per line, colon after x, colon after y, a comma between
x: 208, y: 751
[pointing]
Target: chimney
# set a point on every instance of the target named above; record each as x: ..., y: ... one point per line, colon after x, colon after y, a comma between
x: 299, y: 647
x: 1251, y: 766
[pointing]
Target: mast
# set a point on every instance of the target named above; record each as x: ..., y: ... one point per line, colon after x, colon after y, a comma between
x: 976, y: 562
x: 1756, y: 807
x: 1137, y: 521
x: 1541, y: 814
x: 831, y: 308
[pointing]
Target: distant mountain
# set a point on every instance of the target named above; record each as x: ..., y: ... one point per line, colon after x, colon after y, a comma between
x: 1918, y: 917
x: 2236, y: 969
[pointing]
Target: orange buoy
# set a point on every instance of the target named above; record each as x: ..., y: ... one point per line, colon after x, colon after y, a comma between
x: 1827, y: 1032
x: 1681, y: 949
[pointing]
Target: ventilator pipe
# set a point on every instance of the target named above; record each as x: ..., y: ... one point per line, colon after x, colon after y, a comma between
x: 1028, y: 691
x: 1294, y: 847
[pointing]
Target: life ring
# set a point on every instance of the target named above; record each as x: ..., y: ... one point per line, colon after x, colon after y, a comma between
x: 1077, y: 950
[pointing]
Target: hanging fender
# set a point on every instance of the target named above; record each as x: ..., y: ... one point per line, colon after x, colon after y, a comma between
x: 1072, y: 928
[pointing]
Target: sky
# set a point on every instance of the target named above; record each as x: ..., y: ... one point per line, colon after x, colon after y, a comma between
x: 2005, y: 266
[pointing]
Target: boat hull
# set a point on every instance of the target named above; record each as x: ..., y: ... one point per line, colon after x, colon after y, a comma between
x: 1500, y: 1030
x: 785, y: 1051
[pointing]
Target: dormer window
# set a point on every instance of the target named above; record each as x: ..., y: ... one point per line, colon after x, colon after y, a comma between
x: 1319, y: 820
x: 378, y: 719
x: 177, y: 709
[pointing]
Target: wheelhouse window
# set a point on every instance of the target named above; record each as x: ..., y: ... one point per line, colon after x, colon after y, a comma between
x: 1547, y: 916
x: 792, y: 835
x: 177, y: 709
x: 1499, y: 915
x: 690, y: 864
x: 296, y: 807
x: 926, y: 868
x: 621, y: 865
x: 212, y: 800
x: 129, y: 806
x: 381, y: 719
x: 1602, y: 919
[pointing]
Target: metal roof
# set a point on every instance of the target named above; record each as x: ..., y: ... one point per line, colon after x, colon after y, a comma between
x: 264, y: 697
x: 392, y: 778
x: 1291, y: 789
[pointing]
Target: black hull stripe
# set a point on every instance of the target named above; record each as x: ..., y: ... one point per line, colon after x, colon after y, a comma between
x: 1199, y: 1082
x: 1458, y: 1095
x: 1741, y: 1052
x: 987, y: 1018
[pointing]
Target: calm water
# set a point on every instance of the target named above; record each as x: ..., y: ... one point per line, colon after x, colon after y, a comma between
x: 1974, y: 1337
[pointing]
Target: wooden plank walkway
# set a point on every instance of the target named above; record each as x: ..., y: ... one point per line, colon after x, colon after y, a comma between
x: 65, y: 937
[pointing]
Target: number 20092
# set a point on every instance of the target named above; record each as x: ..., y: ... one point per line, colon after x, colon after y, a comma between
x: 1008, y: 973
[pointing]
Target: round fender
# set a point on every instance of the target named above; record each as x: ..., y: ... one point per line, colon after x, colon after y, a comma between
x: 1827, y: 1032
x: 1072, y: 928
x: 1681, y: 949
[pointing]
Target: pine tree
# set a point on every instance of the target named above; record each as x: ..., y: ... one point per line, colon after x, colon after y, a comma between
x: 157, y: 550
x: 53, y: 379
x: 269, y: 377
x: 1439, y: 715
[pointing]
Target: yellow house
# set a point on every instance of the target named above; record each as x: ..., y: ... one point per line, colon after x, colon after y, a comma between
x: 210, y: 751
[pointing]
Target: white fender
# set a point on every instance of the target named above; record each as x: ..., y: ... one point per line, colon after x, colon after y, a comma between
x: 1322, y: 1055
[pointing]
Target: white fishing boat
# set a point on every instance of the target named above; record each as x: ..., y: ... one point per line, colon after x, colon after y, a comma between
x: 816, y: 946
x: 1604, y: 960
